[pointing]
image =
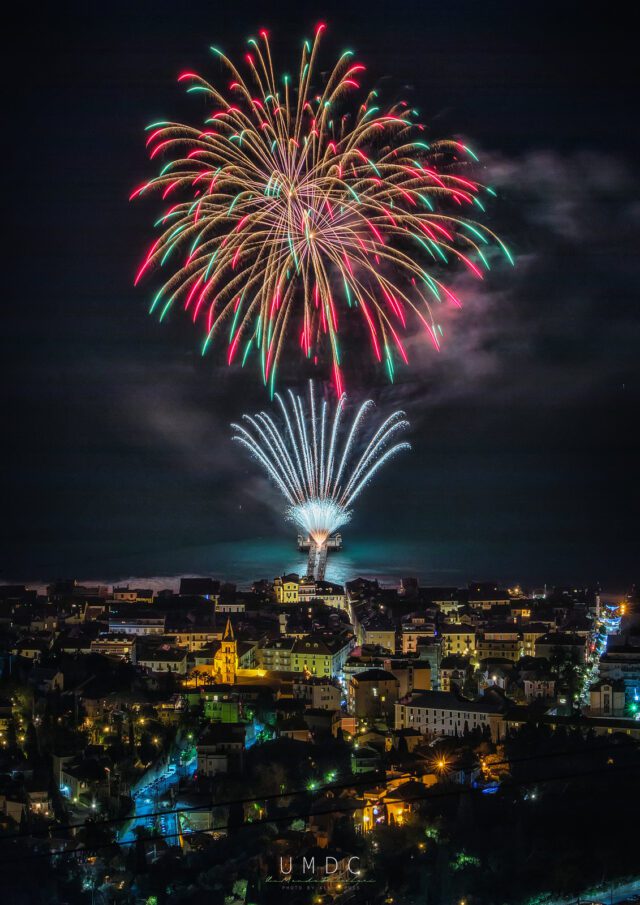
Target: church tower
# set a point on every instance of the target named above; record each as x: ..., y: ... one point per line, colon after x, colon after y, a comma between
x: 226, y: 659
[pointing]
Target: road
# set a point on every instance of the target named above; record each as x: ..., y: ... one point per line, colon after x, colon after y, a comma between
x: 152, y: 794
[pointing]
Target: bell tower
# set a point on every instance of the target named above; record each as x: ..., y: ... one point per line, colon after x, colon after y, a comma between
x: 226, y: 659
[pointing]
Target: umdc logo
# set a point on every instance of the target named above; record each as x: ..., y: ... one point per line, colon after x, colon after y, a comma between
x: 328, y: 866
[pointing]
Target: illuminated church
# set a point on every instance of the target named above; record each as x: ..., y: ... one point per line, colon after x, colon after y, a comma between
x: 225, y: 661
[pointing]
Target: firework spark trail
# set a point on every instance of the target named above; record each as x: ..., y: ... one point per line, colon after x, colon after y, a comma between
x: 286, y: 194
x: 296, y: 459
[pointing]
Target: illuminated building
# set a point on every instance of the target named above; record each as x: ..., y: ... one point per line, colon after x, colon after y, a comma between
x: 373, y: 693
x: 502, y: 641
x: 226, y: 657
x: 458, y: 639
x: 320, y: 655
x: 164, y: 659
x: 623, y: 662
x: 286, y: 588
x: 607, y: 698
x: 133, y: 595
x: 315, y: 589
x: 435, y: 713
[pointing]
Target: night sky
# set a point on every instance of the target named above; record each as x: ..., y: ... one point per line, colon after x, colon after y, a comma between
x: 117, y: 458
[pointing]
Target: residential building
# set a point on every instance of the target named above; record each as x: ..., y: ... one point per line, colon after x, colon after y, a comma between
x: 372, y: 694
x: 458, y: 639
x: 607, y: 697
x: 331, y: 594
x: 220, y: 748
x: 413, y: 674
x: 133, y: 595
x: 379, y: 630
x: 416, y: 630
x: 623, y: 662
x: 500, y: 641
x: 558, y: 644
x: 136, y: 624
x: 485, y: 595
x: 120, y: 646
x: 365, y: 760
x: 195, y: 638
x: 539, y: 688
x: 81, y: 777
x: 275, y: 654
x: 530, y: 632
x: 318, y: 693
x: 435, y: 713
x: 320, y: 655
x: 286, y: 588
x: 163, y: 658
x: 453, y: 670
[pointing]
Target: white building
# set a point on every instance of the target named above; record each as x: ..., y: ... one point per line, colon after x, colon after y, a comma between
x: 163, y: 660
x: 436, y: 713
x: 136, y: 625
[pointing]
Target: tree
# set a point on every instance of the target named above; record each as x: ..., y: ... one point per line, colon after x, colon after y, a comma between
x: 31, y: 748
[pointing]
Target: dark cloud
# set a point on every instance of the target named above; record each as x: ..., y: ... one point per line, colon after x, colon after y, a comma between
x: 564, y: 323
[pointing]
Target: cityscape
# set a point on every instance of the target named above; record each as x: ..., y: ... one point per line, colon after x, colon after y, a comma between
x: 319, y: 574
x: 327, y: 742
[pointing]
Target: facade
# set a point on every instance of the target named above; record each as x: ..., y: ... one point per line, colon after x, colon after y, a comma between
x: 275, y: 655
x: 623, y: 663
x: 458, y: 639
x: 286, y: 588
x: 231, y: 606
x: 560, y: 644
x: 453, y: 670
x: 318, y: 693
x: 222, y: 707
x: 39, y: 802
x: 530, y: 633
x: 435, y: 713
x: 412, y: 674
x: 447, y: 600
x: 193, y: 638
x: 136, y: 625
x: 365, y: 760
x: 486, y: 595
x: 80, y: 778
x: 164, y: 659
x: 415, y: 632
x: 133, y: 595
x: 607, y: 698
x: 319, y: 655
x: 379, y: 631
x: 373, y: 693
x: 539, y: 688
x: 331, y: 594
x: 521, y: 608
x: 499, y: 643
x: 220, y: 748
x: 120, y: 646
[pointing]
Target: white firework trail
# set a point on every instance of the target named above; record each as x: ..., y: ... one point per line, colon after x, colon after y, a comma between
x: 311, y: 461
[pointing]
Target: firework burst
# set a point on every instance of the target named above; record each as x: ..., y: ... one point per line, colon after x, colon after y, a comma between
x: 312, y: 458
x: 293, y: 204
